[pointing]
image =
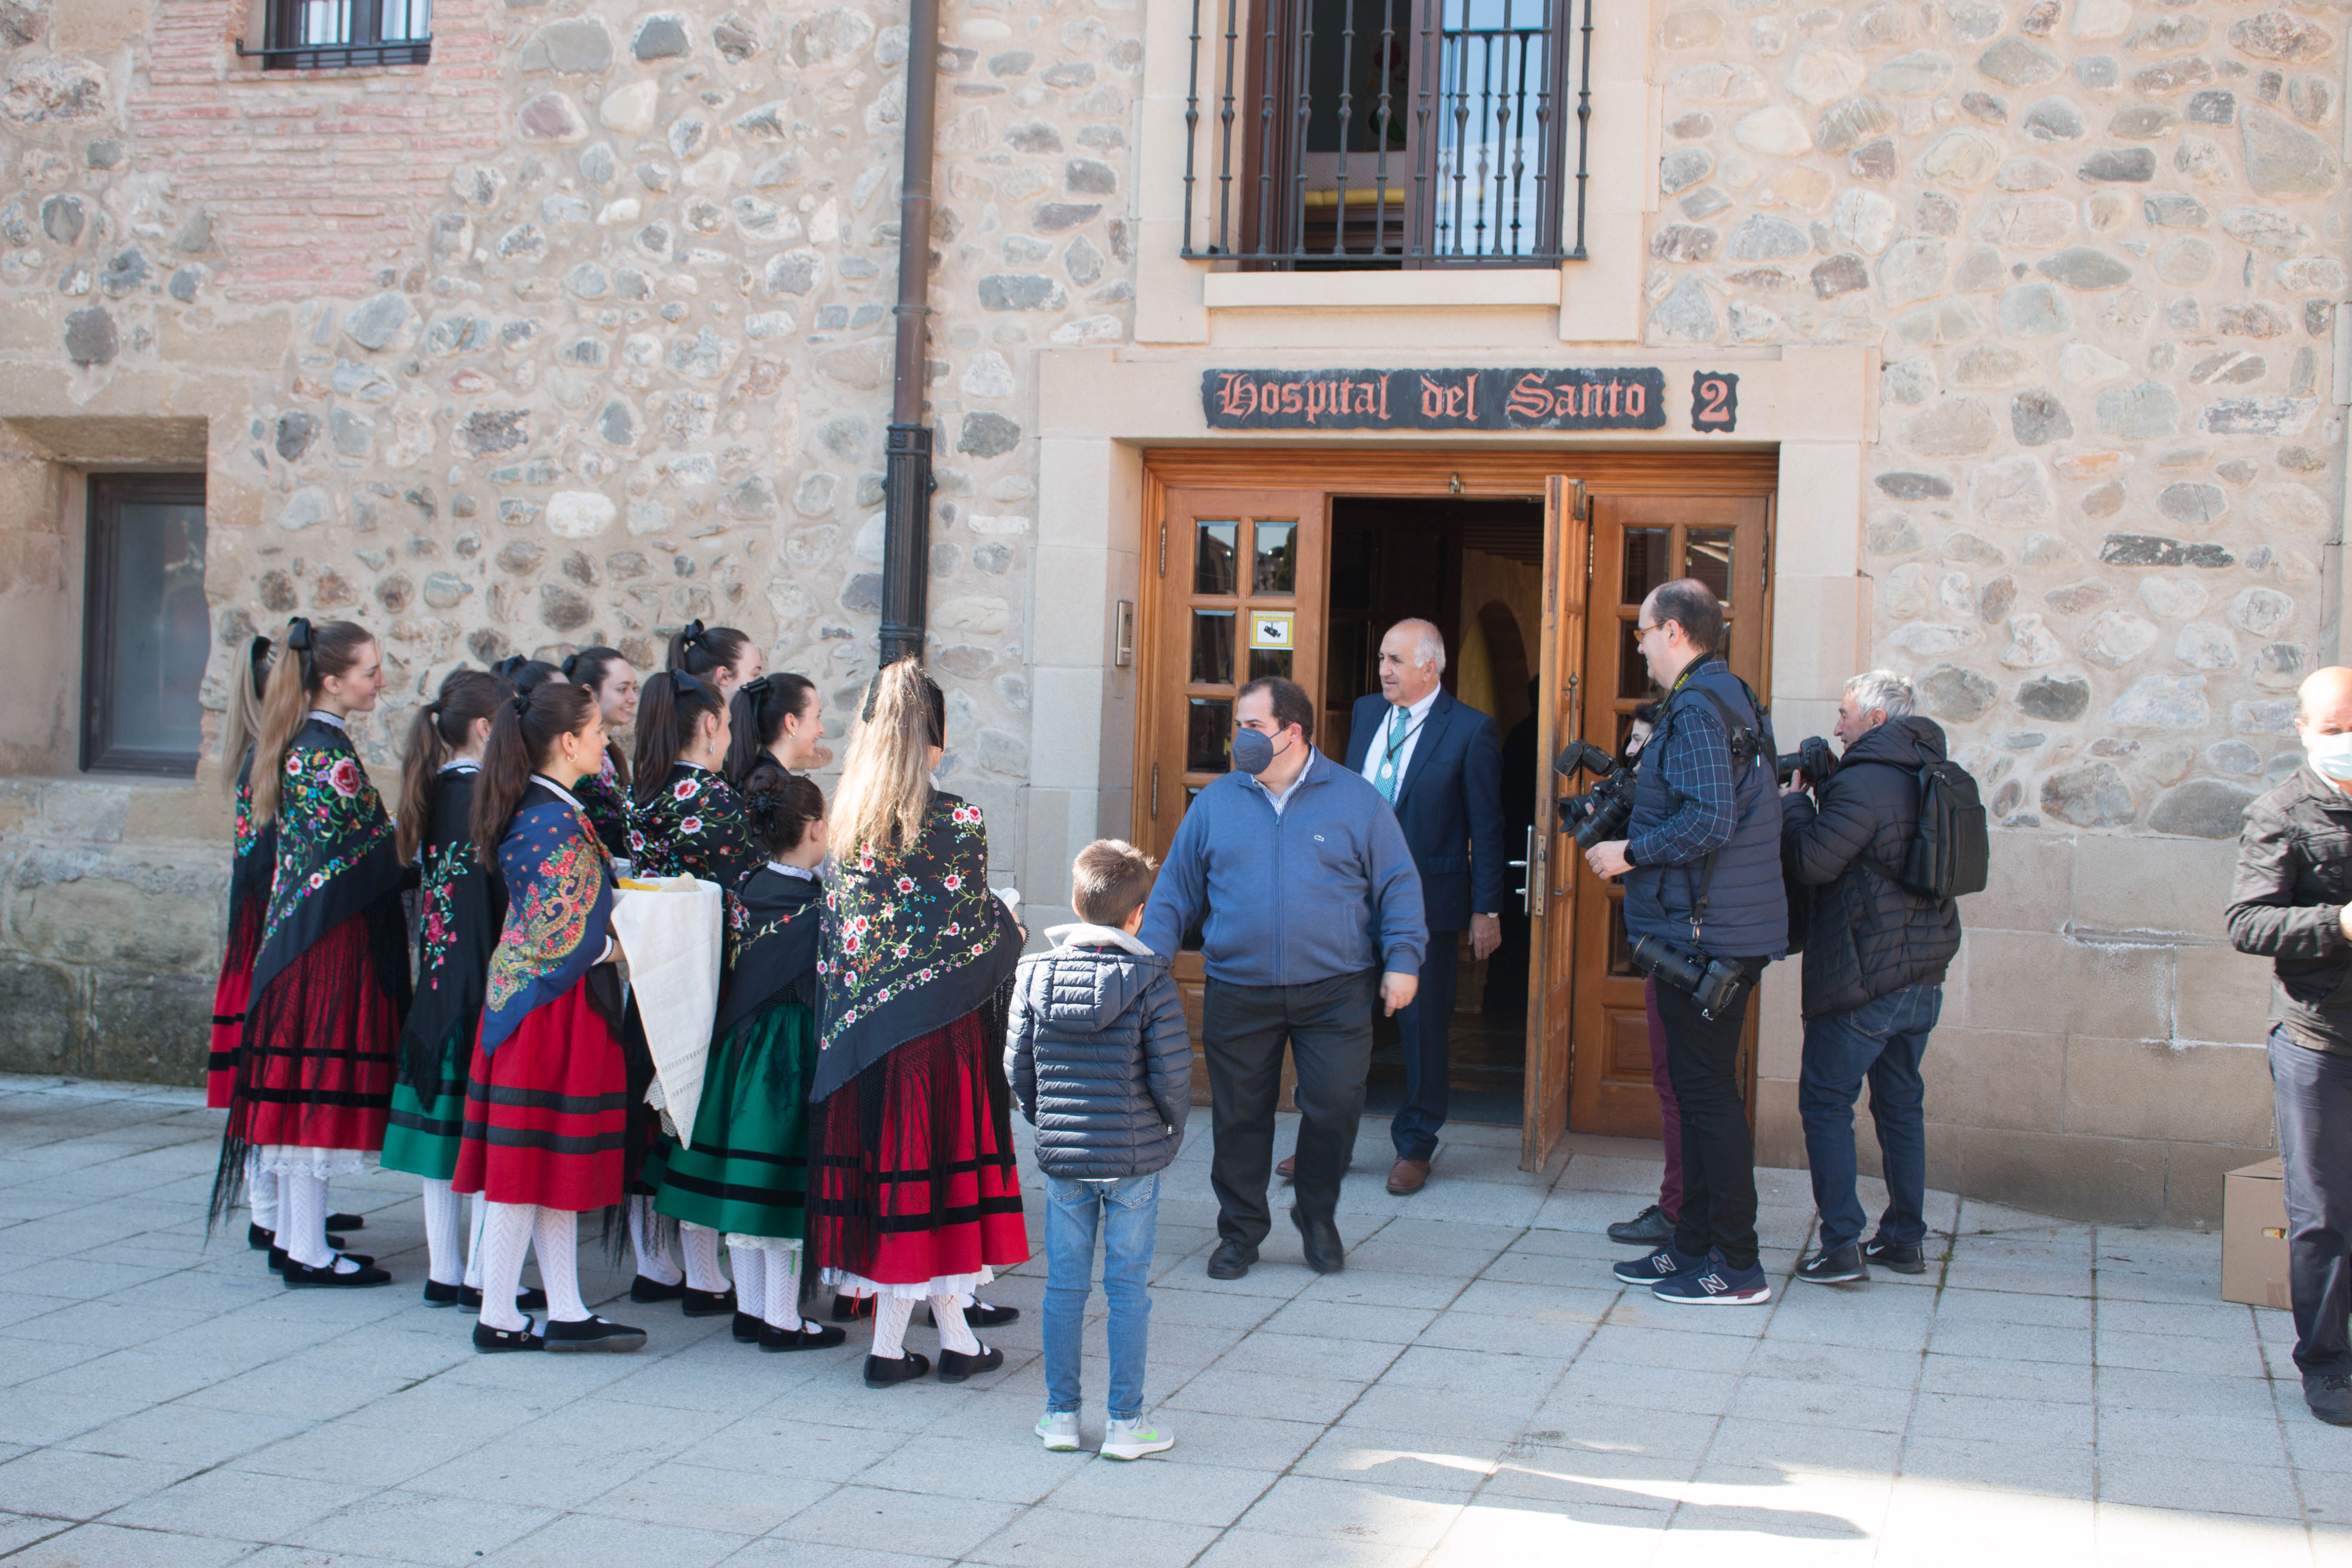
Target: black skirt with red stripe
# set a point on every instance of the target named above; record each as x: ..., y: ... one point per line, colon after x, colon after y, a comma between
x: 315, y: 1066
x: 546, y: 1113
x: 229, y: 997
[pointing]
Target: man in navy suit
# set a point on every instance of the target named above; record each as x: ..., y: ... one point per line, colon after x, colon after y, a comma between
x: 1440, y: 764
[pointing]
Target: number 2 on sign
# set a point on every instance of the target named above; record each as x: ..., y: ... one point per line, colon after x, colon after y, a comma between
x: 1715, y: 400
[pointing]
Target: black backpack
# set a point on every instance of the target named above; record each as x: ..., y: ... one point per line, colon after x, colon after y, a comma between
x: 1952, y: 854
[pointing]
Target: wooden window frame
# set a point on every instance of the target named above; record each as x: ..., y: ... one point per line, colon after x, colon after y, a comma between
x: 100, y: 750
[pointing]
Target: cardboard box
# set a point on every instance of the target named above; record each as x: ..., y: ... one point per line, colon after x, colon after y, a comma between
x: 2253, y: 1236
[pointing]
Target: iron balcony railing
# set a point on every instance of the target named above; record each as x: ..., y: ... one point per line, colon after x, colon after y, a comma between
x: 1387, y: 133
x: 327, y: 35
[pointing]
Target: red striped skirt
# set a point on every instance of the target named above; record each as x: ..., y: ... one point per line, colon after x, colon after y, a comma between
x: 934, y: 1193
x: 546, y: 1113
x: 314, y: 1068
x: 229, y: 998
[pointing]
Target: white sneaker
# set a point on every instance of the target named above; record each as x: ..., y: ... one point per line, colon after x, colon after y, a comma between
x: 1059, y: 1429
x: 1135, y: 1439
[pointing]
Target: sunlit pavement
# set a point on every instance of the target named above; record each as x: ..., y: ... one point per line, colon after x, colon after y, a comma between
x: 1475, y: 1389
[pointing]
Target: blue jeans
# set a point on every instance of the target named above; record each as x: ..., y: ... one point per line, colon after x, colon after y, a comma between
x: 1129, y: 1212
x: 1882, y: 1041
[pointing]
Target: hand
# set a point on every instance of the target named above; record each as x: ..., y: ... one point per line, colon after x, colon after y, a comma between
x: 1397, y: 990
x: 1486, y: 935
x: 1798, y: 783
x: 1608, y: 859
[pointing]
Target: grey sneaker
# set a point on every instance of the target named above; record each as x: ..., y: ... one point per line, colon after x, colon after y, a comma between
x: 2329, y: 1395
x: 1132, y: 1439
x: 1059, y: 1431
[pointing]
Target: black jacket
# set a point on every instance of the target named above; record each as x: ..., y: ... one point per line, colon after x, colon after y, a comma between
x: 1449, y: 805
x: 1868, y: 936
x: 2295, y: 876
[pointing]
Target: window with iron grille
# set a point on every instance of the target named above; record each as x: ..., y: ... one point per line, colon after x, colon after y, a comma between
x: 324, y: 34
x: 1387, y: 133
x: 146, y: 627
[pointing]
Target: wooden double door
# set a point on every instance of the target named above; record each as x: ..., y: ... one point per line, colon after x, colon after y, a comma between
x: 1237, y: 580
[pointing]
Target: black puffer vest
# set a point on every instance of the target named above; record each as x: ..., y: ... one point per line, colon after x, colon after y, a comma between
x: 1746, y: 913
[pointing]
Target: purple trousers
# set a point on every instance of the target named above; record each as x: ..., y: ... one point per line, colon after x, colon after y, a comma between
x: 1670, y: 1186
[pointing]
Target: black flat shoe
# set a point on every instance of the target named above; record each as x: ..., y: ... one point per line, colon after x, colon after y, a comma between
x: 346, y: 1222
x: 822, y: 1338
x: 643, y: 1291
x: 439, y: 1295
x: 1231, y: 1260
x: 594, y: 1334
x: 880, y: 1374
x: 849, y: 1308
x: 301, y: 1277
x: 708, y: 1303
x: 489, y: 1340
x: 1319, y: 1238
x: 278, y: 1260
x: 980, y: 1315
x: 258, y: 1239
x: 748, y: 1328
x: 955, y: 1366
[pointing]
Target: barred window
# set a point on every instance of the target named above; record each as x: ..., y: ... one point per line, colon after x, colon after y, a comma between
x: 324, y: 34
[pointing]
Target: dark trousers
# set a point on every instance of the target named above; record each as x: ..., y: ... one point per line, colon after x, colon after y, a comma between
x: 1718, y: 1151
x: 1427, y: 1068
x: 1882, y: 1041
x: 1670, y: 1115
x: 2313, y: 1094
x: 1329, y: 1024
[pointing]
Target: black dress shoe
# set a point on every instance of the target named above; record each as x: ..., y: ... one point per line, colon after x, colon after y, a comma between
x: 881, y: 1374
x: 643, y: 1291
x: 302, y: 1277
x: 489, y: 1340
x: 708, y: 1303
x: 980, y: 1315
x: 594, y: 1334
x: 1650, y: 1227
x: 439, y: 1295
x: 955, y: 1366
x: 823, y: 1337
x: 747, y: 1327
x: 1320, y: 1238
x: 346, y: 1222
x: 1232, y: 1259
x: 278, y: 1260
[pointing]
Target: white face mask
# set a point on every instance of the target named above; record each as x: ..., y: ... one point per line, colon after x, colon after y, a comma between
x: 2330, y: 755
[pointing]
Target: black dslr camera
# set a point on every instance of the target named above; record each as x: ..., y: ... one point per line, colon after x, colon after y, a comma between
x: 1815, y: 757
x: 1713, y: 983
x: 1600, y: 812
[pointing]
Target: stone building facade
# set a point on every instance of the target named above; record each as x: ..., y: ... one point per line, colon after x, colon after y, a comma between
x: 581, y: 329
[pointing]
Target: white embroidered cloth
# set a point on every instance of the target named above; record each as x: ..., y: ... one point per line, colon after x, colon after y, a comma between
x: 669, y: 932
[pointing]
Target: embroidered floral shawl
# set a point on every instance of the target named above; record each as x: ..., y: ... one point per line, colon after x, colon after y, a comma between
x: 256, y: 857
x: 771, y: 937
x: 695, y: 826
x: 559, y: 911
x: 335, y: 855
x: 911, y: 942
x: 462, y: 905
x: 607, y: 805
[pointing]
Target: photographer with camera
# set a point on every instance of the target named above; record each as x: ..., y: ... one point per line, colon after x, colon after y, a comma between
x: 1706, y: 912
x: 1875, y: 954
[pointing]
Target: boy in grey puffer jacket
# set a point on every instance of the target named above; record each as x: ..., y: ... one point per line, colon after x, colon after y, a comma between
x: 1100, y: 1061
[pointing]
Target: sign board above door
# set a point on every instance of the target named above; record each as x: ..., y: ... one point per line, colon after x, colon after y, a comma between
x: 1607, y: 397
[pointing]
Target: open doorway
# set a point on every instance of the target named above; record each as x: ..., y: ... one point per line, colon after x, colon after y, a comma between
x: 1475, y: 568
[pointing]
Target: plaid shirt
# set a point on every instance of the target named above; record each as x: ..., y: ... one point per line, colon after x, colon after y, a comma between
x: 1695, y: 756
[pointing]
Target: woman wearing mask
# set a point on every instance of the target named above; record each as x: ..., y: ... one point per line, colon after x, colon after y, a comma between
x: 722, y: 655
x: 314, y: 1066
x: 916, y: 1194
x: 547, y: 1097
x: 605, y: 792
x: 776, y: 730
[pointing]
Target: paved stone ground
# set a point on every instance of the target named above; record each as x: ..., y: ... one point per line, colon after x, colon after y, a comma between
x: 1472, y: 1390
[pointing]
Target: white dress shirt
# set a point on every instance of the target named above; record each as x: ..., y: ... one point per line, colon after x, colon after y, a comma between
x: 1416, y: 715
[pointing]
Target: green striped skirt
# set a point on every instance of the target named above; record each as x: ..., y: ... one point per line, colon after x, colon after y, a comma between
x: 422, y: 1136
x: 748, y: 1171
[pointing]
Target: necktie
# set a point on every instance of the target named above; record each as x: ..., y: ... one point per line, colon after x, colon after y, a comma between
x: 1398, y: 730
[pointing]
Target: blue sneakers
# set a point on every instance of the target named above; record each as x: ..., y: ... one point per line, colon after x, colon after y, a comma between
x: 1712, y: 1285
x: 1668, y: 1262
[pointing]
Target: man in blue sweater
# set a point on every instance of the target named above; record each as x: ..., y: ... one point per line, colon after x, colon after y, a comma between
x: 1313, y: 911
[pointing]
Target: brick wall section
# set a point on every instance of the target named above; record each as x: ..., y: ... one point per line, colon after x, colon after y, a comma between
x: 317, y: 181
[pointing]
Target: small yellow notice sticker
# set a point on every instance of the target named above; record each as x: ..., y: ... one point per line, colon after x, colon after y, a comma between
x: 1272, y: 628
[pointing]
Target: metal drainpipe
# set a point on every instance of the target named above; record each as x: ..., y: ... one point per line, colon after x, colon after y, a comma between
x: 906, y: 481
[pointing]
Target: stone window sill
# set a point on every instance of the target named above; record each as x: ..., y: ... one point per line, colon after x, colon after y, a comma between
x: 1436, y: 288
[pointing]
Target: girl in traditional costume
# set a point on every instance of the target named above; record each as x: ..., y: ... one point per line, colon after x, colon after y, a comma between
x: 916, y: 1196
x: 746, y: 1176
x: 314, y: 1066
x: 775, y: 730
x: 463, y: 904
x: 547, y: 1101
x: 605, y: 792
x: 686, y: 822
x: 720, y: 656
x: 253, y: 860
